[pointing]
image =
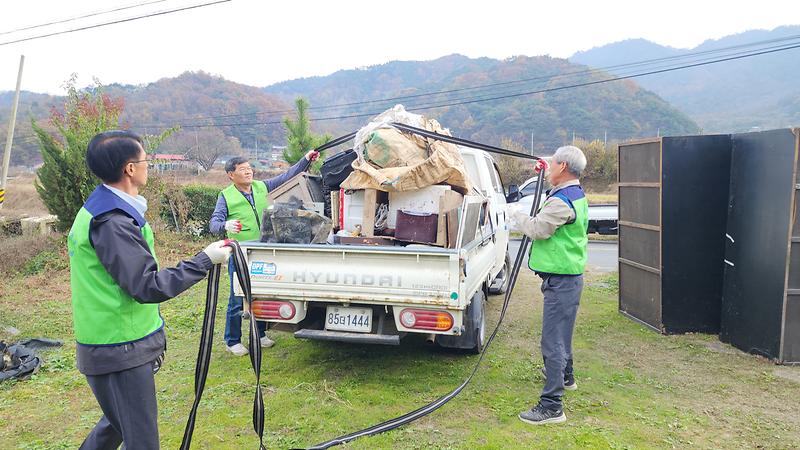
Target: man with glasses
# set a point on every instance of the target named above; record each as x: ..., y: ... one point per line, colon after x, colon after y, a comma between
x: 117, y: 286
x: 238, y: 213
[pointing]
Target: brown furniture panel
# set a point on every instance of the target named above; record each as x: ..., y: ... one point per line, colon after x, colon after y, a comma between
x: 640, y: 162
x: 640, y: 205
x: 637, y: 245
x: 640, y: 294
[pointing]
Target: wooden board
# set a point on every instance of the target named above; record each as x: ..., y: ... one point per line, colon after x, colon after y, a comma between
x: 449, y: 201
x: 452, y: 227
x: 368, y: 217
x: 335, y: 209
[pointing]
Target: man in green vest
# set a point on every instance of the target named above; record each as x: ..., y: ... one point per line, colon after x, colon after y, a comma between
x: 116, y: 287
x: 238, y: 213
x: 558, y: 256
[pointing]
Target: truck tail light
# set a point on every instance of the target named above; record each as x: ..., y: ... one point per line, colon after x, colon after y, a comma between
x: 426, y: 319
x: 270, y: 309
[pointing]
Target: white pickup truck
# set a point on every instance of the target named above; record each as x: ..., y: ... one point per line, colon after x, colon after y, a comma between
x: 368, y: 294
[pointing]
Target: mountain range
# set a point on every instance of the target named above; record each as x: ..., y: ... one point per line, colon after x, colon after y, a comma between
x: 759, y: 92
x: 539, y: 100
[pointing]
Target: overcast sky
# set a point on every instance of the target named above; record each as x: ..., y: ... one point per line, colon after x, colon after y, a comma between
x: 263, y: 42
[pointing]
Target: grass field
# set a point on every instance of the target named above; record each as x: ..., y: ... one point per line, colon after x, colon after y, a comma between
x: 637, y: 389
x: 22, y: 199
x: 596, y: 198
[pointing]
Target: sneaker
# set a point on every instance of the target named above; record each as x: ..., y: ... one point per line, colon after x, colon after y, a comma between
x: 570, y: 384
x: 569, y: 381
x: 539, y: 415
x: 237, y: 349
x: 266, y: 342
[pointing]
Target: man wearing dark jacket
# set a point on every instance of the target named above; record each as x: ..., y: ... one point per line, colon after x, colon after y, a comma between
x: 116, y: 288
x: 238, y: 212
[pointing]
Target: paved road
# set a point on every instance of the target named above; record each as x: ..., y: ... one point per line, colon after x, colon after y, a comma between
x: 602, y: 254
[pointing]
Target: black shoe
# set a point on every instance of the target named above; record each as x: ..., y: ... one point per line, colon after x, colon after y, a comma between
x: 569, y: 381
x: 539, y: 415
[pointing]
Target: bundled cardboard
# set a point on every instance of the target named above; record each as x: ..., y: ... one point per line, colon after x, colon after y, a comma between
x: 388, y: 147
x: 402, y: 169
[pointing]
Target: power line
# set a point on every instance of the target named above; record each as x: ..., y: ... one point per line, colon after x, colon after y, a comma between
x: 654, y: 70
x: 464, y: 101
x: 773, y: 49
x: 551, y: 77
x: 114, y: 22
x: 72, y: 19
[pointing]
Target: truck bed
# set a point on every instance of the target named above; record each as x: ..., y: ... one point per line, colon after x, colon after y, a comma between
x: 420, y: 275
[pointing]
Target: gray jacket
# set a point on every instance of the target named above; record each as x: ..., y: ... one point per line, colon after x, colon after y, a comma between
x: 552, y: 214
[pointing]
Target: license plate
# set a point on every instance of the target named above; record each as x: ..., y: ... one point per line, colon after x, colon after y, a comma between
x: 358, y: 320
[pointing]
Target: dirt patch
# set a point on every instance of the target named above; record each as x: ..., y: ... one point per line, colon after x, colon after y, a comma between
x: 19, y: 251
x: 720, y: 347
x: 791, y: 373
x: 22, y: 200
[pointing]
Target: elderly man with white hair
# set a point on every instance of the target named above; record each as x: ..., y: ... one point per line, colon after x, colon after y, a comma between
x: 558, y: 256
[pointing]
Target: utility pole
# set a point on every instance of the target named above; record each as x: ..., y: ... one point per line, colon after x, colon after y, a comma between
x: 531, y: 143
x: 605, y: 137
x: 573, y: 138
x: 10, y: 138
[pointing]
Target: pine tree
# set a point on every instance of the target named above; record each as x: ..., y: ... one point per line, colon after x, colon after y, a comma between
x: 300, y: 139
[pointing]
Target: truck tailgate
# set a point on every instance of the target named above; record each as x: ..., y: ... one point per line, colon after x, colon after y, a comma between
x: 358, y: 274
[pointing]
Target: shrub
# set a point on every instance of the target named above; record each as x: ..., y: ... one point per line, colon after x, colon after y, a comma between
x: 513, y: 170
x: 202, y: 200
x: 186, y: 209
x: 601, y: 164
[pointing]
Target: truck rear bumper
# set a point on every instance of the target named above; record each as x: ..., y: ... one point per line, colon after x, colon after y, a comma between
x: 341, y: 336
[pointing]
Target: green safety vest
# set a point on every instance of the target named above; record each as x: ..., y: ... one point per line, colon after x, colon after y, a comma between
x: 102, y: 312
x: 248, y: 215
x: 564, y: 253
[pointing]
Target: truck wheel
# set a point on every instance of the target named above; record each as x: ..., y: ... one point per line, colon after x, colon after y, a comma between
x: 474, y: 336
x: 478, y: 319
x: 500, y: 283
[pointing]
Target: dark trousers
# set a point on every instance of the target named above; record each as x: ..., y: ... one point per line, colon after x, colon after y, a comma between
x: 130, y: 412
x: 233, y: 317
x: 562, y: 294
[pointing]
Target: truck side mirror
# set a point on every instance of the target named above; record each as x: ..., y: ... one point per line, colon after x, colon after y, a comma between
x: 513, y: 194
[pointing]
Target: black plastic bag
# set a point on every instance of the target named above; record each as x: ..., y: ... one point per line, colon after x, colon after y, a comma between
x: 337, y: 168
x: 20, y: 360
x: 290, y: 223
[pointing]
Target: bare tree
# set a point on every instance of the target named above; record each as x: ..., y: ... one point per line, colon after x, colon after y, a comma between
x: 204, y: 146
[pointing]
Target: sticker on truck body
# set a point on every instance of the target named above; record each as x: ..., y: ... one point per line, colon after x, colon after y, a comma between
x: 261, y: 268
